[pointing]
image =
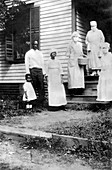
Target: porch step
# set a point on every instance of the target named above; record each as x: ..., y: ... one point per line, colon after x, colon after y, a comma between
x: 82, y: 98
x: 85, y: 102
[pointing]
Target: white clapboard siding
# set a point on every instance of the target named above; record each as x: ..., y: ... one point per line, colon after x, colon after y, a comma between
x: 55, y: 32
x: 80, y: 27
x: 55, y: 28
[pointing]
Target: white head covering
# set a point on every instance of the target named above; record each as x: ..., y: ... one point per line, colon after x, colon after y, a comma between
x: 53, y: 50
x: 105, y: 45
x: 93, y: 23
x: 75, y: 34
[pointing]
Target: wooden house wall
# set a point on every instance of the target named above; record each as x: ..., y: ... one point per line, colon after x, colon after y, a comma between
x: 82, y: 28
x: 55, y: 31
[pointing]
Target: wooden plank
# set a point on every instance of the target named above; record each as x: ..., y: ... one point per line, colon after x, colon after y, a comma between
x: 53, y: 19
x: 55, y: 14
x: 24, y: 132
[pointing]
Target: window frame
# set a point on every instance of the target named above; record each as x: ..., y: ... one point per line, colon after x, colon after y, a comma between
x: 11, y: 58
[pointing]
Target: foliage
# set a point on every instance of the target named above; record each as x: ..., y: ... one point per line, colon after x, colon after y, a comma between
x: 10, y: 11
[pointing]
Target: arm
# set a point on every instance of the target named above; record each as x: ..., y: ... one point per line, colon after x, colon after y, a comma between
x: 43, y: 66
x: 68, y: 51
x: 87, y: 42
x: 27, y: 63
x: 102, y: 38
x: 61, y: 72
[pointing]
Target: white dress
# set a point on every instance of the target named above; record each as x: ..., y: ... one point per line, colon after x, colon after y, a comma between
x: 28, y: 88
x: 56, y: 91
x: 104, y: 88
x: 75, y: 72
x: 93, y: 41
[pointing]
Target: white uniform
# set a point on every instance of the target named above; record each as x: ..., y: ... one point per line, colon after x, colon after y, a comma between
x: 56, y: 91
x: 75, y: 72
x: 104, y: 88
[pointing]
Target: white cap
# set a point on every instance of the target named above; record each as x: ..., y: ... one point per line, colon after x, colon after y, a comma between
x: 93, y: 23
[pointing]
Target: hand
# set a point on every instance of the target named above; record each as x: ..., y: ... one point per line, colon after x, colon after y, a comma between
x: 62, y: 79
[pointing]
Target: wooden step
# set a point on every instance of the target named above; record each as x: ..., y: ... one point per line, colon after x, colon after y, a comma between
x: 82, y: 98
x: 91, y: 78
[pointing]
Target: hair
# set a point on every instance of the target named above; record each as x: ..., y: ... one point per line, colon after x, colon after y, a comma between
x: 75, y: 33
x: 105, y: 44
x: 53, y: 50
x: 27, y: 75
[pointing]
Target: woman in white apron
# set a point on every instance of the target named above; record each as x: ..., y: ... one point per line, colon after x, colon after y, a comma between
x: 104, y: 88
x: 75, y: 72
x: 56, y: 91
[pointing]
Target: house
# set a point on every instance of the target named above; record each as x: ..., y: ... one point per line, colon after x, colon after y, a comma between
x: 51, y: 22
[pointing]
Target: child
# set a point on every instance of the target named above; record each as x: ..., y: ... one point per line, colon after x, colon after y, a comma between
x: 56, y: 91
x: 29, y: 96
x: 104, y: 88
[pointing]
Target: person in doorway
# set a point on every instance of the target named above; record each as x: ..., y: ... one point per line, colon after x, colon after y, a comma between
x: 56, y: 91
x: 104, y: 88
x: 29, y: 96
x: 75, y: 72
x: 34, y: 64
x: 94, y: 38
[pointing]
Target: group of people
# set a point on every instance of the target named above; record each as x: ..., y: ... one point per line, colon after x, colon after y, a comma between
x: 100, y: 63
x: 35, y: 75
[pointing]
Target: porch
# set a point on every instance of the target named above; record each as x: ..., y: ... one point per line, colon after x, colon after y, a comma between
x: 87, y: 95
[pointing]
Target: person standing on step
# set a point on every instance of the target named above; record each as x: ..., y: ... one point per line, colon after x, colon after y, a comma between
x: 56, y: 91
x: 75, y: 72
x: 94, y: 38
x: 104, y: 88
x: 34, y: 64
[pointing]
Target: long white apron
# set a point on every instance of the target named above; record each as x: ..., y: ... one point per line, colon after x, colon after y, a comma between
x: 75, y: 72
x: 56, y: 91
x: 104, y: 88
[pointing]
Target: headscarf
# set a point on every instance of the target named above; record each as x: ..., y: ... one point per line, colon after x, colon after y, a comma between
x: 105, y: 45
x: 75, y: 34
x: 53, y: 50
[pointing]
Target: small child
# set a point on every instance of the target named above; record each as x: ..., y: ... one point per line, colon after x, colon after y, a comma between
x: 104, y: 88
x: 29, y: 96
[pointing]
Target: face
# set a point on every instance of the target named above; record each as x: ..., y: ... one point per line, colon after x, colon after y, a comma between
x: 28, y: 79
x: 105, y: 50
x: 53, y: 55
x: 35, y: 45
x: 93, y: 28
x: 75, y: 38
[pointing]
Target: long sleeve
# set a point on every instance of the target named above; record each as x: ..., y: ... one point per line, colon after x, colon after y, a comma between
x: 27, y: 63
x: 68, y: 51
x: 60, y: 67
x: 43, y: 66
x: 102, y: 38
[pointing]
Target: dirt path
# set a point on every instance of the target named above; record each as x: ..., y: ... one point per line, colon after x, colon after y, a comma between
x: 13, y: 157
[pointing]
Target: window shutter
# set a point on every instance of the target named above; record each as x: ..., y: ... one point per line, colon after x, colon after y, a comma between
x: 9, y: 48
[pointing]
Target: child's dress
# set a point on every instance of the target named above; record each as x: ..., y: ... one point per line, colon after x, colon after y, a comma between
x: 75, y: 72
x: 104, y: 88
x: 56, y: 91
x: 28, y: 88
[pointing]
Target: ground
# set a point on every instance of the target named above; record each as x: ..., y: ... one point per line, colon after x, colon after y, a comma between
x: 15, y: 156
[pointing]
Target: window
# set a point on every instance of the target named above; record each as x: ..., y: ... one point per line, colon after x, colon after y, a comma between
x: 23, y: 31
